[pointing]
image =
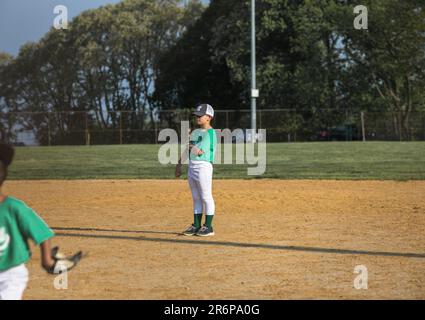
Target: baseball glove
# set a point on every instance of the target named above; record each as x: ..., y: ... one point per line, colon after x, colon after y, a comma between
x: 62, y: 262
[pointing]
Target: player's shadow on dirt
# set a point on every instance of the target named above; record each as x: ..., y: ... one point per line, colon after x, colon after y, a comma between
x: 113, y: 230
x: 230, y: 244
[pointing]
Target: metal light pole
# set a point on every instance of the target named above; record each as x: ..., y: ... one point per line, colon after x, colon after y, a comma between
x: 254, y: 91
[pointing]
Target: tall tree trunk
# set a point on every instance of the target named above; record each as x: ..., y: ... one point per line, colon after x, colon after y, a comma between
x: 408, y: 109
x: 395, y: 124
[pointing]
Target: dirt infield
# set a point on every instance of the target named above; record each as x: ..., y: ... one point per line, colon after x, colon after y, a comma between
x: 275, y: 239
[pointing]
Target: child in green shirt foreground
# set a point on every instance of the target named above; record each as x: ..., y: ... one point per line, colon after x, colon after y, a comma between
x: 18, y: 224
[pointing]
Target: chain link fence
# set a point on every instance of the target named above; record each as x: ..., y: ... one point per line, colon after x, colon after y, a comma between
x: 282, y: 125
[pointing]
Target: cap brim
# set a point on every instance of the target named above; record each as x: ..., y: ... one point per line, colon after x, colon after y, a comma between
x: 198, y: 114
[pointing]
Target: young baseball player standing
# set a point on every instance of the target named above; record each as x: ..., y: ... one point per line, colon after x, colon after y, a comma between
x: 202, y: 148
x: 18, y: 224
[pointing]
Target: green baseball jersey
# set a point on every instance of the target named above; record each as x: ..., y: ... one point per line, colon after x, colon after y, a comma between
x: 18, y: 224
x: 206, y: 140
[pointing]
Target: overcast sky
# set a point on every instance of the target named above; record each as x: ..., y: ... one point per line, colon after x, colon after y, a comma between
x: 28, y: 20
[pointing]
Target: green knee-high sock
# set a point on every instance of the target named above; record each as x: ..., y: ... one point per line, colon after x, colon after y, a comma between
x: 197, y: 220
x: 208, y: 220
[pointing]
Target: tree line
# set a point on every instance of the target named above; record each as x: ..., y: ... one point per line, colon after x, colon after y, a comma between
x: 149, y: 56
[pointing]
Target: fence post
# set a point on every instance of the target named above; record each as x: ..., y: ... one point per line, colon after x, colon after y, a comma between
x: 259, y: 111
x: 156, y: 132
x: 87, y: 128
x: 423, y: 125
x: 49, y: 130
x: 363, y: 126
x: 121, y: 127
x: 227, y: 119
x: 346, y: 125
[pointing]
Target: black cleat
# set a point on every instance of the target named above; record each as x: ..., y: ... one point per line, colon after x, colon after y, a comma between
x: 205, y: 232
x: 191, y: 231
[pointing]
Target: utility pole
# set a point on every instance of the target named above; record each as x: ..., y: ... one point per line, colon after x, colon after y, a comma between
x: 254, y: 91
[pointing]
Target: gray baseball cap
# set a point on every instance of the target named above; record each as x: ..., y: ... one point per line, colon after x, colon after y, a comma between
x: 204, y: 109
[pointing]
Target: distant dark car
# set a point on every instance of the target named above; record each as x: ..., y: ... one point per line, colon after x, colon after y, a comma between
x: 338, y: 133
x: 19, y: 144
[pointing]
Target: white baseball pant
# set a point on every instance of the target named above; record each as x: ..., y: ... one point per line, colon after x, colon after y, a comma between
x: 13, y: 283
x: 200, y: 182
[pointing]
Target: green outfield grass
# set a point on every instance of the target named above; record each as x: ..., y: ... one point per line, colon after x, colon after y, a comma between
x: 336, y: 160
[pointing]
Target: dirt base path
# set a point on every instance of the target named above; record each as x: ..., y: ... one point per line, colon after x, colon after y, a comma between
x: 275, y: 239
